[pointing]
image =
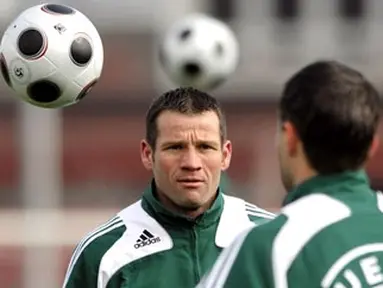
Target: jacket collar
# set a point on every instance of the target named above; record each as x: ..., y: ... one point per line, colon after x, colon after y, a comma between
x: 349, y: 182
x: 166, y: 217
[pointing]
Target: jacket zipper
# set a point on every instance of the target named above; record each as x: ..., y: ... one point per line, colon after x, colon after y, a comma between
x: 197, y: 268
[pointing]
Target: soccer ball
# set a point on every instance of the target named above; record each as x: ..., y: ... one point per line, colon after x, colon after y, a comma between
x: 51, y: 55
x: 199, y: 51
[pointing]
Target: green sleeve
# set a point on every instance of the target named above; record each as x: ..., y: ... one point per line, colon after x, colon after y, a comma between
x: 83, y: 269
x: 83, y: 273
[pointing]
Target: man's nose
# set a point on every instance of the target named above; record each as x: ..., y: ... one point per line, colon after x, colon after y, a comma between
x: 191, y: 160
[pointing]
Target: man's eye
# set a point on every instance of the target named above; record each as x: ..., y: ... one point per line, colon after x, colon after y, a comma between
x: 175, y: 147
x: 205, y: 146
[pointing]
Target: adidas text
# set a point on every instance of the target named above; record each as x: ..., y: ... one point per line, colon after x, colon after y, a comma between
x: 147, y: 242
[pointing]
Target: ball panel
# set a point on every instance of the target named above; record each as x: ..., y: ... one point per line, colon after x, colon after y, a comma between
x: 192, y: 69
x: 57, y: 9
x: 218, y: 49
x: 185, y: 34
x: 19, y: 72
x: 81, y: 51
x: 4, y: 70
x: 32, y: 44
x: 86, y: 90
x: 44, y: 91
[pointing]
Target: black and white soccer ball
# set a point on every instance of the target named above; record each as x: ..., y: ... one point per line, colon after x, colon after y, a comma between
x: 51, y: 55
x: 199, y: 51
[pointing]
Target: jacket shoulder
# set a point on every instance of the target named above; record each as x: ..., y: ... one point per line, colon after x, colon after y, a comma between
x: 253, y: 212
x: 237, y: 217
x: 143, y: 238
x: 91, y: 249
x: 257, y: 214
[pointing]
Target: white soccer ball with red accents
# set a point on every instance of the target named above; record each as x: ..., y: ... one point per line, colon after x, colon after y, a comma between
x: 199, y: 51
x: 51, y: 55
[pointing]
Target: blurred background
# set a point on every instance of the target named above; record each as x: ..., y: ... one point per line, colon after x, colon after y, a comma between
x: 63, y: 172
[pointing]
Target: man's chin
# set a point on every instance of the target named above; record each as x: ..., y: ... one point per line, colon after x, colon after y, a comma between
x: 193, y: 202
x: 191, y: 210
x: 190, y: 205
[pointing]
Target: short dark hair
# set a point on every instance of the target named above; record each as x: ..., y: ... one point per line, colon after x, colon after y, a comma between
x: 335, y: 111
x: 185, y: 100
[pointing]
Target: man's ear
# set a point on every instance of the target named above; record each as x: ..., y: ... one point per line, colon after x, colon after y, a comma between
x: 146, y: 155
x: 227, y: 152
x: 290, y: 137
x: 374, y: 147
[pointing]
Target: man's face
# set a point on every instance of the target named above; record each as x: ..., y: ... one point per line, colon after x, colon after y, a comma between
x: 188, y: 158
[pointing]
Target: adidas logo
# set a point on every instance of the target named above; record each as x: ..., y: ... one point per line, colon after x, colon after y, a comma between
x: 146, y: 238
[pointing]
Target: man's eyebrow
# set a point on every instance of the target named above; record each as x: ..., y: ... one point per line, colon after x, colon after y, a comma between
x: 175, y: 142
x: 182, y: 142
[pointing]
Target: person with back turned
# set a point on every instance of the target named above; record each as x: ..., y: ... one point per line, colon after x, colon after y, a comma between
x: 329, y: 232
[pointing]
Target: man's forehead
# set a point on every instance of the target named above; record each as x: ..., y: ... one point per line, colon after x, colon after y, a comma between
x: 179, y: 125
x: 177, y: 121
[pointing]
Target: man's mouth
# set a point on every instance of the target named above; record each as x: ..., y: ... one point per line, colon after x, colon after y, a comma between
x: 190, y: 182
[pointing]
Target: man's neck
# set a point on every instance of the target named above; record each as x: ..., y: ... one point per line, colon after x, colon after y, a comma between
x: 187, y: 212
x: 303, y: 174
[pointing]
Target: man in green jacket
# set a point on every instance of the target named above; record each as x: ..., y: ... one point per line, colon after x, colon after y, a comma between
x: 330, y: 231
x: 175, y: 232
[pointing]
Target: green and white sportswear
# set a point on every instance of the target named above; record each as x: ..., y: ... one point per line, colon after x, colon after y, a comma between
x: 329, y: 234
x: 145, y: 245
